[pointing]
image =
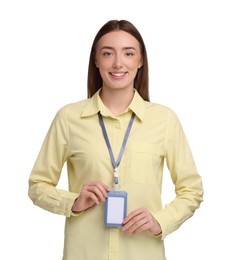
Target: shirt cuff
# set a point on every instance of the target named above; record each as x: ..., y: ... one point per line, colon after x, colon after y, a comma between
x: 68, y: 201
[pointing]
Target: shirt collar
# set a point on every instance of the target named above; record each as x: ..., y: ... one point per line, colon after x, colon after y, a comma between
x: 95, y: 105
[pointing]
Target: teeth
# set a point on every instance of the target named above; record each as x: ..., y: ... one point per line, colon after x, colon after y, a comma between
x: 118, y: 74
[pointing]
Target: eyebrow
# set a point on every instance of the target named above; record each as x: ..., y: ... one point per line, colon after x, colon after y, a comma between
x: 124, y: 48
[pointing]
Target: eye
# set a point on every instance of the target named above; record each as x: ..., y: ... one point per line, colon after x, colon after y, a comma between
x: 107, y: 53
x: 129, y: 54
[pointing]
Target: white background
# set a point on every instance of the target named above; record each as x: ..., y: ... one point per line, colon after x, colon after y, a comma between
x: 44, y: 51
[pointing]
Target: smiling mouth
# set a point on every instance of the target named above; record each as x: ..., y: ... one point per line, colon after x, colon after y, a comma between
x: 120, y: 74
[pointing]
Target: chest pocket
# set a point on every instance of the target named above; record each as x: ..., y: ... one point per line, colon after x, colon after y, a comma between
x: 147, y: 163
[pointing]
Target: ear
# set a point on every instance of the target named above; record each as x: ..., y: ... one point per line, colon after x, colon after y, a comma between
x: 140, y: 64
x: 95, y: 63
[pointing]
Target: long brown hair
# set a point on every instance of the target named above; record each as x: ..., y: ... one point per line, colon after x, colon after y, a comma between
x: 94, y: 78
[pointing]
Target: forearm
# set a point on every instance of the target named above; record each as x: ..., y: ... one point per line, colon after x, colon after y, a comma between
x: 52, y: 199
x: 179, y: 210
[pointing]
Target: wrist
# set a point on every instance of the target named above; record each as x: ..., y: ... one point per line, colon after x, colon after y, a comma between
x: 75, y: 207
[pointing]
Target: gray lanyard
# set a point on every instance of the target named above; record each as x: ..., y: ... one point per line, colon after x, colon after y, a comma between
x: 116, y: 163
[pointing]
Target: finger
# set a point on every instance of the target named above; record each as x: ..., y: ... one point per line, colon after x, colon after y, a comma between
x: 104, y: 188
x: 96, y: 183
x: 100, y: 193
x: 136, y: 219
x: 135, y: 222
x: 135, y: 226
x: 98, y: 190
x: 141, y: 228
x: 133, y: 214
x: 142, y: 222
x: 92, y: 196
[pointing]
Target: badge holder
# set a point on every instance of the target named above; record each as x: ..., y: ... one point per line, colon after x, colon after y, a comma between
x: 115, y: 208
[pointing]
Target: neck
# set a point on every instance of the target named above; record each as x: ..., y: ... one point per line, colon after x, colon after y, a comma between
x: 116, y: 100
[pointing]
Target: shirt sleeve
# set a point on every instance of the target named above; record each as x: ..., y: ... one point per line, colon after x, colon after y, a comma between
x: 47, y: 169
x: 187, y: 181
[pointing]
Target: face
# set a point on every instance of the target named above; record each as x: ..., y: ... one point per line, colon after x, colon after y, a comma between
x: 118, y: 58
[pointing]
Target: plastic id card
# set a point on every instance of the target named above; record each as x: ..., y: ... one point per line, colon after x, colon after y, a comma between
x: 115, y: 208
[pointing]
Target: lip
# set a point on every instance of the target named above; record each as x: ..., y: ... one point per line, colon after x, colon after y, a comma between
x: 117, y: 75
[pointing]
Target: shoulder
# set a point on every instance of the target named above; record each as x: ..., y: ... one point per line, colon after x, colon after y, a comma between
x: 162, y: 115
x: 159, y: 109
x: 72, y: 109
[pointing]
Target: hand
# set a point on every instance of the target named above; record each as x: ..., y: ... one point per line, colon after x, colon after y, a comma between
x: 141, y: 220
x: 93, y: 192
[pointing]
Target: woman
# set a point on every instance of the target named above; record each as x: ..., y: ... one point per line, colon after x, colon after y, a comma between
x: 117, y: 95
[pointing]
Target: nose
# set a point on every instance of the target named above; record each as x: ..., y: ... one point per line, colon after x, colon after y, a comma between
x: 117, y: 63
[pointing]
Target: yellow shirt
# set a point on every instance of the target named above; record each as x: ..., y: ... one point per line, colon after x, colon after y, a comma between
x: 75, y: 137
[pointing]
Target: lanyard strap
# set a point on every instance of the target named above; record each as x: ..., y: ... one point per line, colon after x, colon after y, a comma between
x: 116, y: 163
